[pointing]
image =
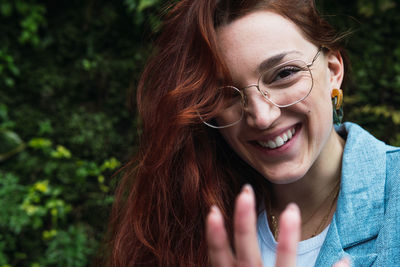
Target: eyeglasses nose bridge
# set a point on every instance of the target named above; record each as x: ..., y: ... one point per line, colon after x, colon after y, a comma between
x: 244, y: 95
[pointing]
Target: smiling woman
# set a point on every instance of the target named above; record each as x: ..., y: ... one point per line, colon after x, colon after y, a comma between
x: 296, y: 104
x: 239, y: 99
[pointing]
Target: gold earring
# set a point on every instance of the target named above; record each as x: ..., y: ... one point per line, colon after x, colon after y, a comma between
x: 337, y: 98
x: 337, y: 105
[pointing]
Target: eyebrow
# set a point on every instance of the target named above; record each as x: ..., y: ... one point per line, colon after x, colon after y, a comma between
x: 272, y: 61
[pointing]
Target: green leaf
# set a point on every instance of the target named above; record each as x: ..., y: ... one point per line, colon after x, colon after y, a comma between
x: 6, y: 9
x: 10, y: 144
x: 61, y: 152
x: 9, y: 82
x: 40, y: 143
x: 143, y: 4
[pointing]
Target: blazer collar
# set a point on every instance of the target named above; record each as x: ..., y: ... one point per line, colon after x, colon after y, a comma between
x: 360, y: 206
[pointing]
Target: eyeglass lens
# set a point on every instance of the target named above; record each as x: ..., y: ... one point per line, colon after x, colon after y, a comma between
x: 283, y: 85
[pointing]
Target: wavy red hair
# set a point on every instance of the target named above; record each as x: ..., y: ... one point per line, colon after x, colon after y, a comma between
x: 183, y: 167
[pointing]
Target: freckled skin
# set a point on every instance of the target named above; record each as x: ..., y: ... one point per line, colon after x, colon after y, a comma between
x: 245, y: 43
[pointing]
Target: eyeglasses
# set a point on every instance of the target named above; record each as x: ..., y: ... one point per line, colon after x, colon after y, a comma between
x: 283, y: 85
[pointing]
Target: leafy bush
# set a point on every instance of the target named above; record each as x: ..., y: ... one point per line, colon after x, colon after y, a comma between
x: 65, y: 70
x: 373, y: 97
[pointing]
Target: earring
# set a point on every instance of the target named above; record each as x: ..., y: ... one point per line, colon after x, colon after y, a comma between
x: 337, y: 105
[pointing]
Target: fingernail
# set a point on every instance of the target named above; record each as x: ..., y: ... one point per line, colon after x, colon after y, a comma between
x: 292, y: 207
x: 247, y: 189
x: 215, y: 210
x: 214, y: 217
x: 346, y: 260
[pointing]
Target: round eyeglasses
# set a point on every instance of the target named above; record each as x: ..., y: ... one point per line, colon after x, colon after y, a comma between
x: 283, y: 85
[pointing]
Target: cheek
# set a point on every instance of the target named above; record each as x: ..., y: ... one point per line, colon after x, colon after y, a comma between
x: 230, y: 135
x: 318, y: 110
x: 320, y: 102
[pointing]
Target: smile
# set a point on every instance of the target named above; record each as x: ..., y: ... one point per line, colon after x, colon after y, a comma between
x: 278, y: 141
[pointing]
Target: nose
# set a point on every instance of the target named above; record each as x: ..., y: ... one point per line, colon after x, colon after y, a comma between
x: 259, y: 112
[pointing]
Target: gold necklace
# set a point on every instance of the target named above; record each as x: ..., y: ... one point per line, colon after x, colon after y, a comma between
x: 275, y: 222
x: 324, y: 220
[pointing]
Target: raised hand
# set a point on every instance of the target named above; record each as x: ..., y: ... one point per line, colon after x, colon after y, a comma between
x: 245, y: 236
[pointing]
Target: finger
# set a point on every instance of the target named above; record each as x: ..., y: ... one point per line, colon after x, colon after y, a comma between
x: 245, y: 229
x: 219, y: 249
x: 289, y: 236
x: 345, y: 262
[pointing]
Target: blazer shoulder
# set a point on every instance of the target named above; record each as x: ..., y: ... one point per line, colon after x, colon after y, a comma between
x: 388, y: 240
x: 393, y: 161
x: 393, y: 150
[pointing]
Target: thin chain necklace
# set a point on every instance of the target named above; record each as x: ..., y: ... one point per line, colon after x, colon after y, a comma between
x: 275, y: 223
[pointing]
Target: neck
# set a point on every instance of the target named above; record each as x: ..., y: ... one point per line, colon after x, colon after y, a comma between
x: 315, y: 193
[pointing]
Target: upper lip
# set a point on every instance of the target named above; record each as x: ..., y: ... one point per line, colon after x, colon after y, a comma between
x: 272, y: 135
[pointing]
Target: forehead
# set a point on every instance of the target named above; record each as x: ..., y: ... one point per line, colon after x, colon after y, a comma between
x: 249, y: 40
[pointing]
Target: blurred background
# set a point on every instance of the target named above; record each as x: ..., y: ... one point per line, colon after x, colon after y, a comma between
x: 65, y: 127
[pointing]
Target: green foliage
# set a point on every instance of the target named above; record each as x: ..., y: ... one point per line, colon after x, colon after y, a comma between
x: 140, y: 10
x: 368, y: 8
x: 51, y: 200
x: 372, y: 97
x: 65, y: 69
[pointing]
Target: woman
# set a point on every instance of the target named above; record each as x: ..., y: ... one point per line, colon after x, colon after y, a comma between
x: 242, y: 93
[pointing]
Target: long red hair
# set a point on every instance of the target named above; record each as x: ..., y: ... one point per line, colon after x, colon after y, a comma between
x: 183, y: 167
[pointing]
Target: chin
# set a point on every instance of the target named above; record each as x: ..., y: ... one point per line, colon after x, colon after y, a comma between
x: 285, y: 180
x: 284, y: 177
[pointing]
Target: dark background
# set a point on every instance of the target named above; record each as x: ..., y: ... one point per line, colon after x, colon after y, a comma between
x: 65, y: 71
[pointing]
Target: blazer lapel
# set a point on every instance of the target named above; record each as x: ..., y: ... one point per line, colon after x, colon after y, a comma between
x: 332, y: 249
x: 360, y: 207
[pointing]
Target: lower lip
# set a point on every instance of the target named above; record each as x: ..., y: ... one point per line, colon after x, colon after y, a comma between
x: 281, y: 149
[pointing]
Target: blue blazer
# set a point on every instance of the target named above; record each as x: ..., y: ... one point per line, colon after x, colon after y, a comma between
x: 366, y: 224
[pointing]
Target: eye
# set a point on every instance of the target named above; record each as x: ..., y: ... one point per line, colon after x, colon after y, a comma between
x: 286, y: 73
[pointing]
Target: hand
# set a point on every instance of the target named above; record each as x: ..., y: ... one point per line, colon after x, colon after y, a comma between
x: 245, y: 236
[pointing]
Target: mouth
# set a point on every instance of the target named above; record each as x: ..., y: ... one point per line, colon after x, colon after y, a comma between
x: 279, y: 140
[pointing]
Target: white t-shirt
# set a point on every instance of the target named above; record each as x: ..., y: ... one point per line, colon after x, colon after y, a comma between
x: 307, y: 250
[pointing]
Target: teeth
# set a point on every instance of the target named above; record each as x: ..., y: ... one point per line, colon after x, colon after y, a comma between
x: 263, y: 144
x: 279, y: 140
x: 285, y: 137
x: 289, y: 134
x: 271, y: 144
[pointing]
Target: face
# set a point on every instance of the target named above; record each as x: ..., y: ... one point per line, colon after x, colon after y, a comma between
x: 247, y: 44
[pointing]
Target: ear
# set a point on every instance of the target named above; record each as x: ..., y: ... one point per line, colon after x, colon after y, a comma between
x: 336, y: 69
